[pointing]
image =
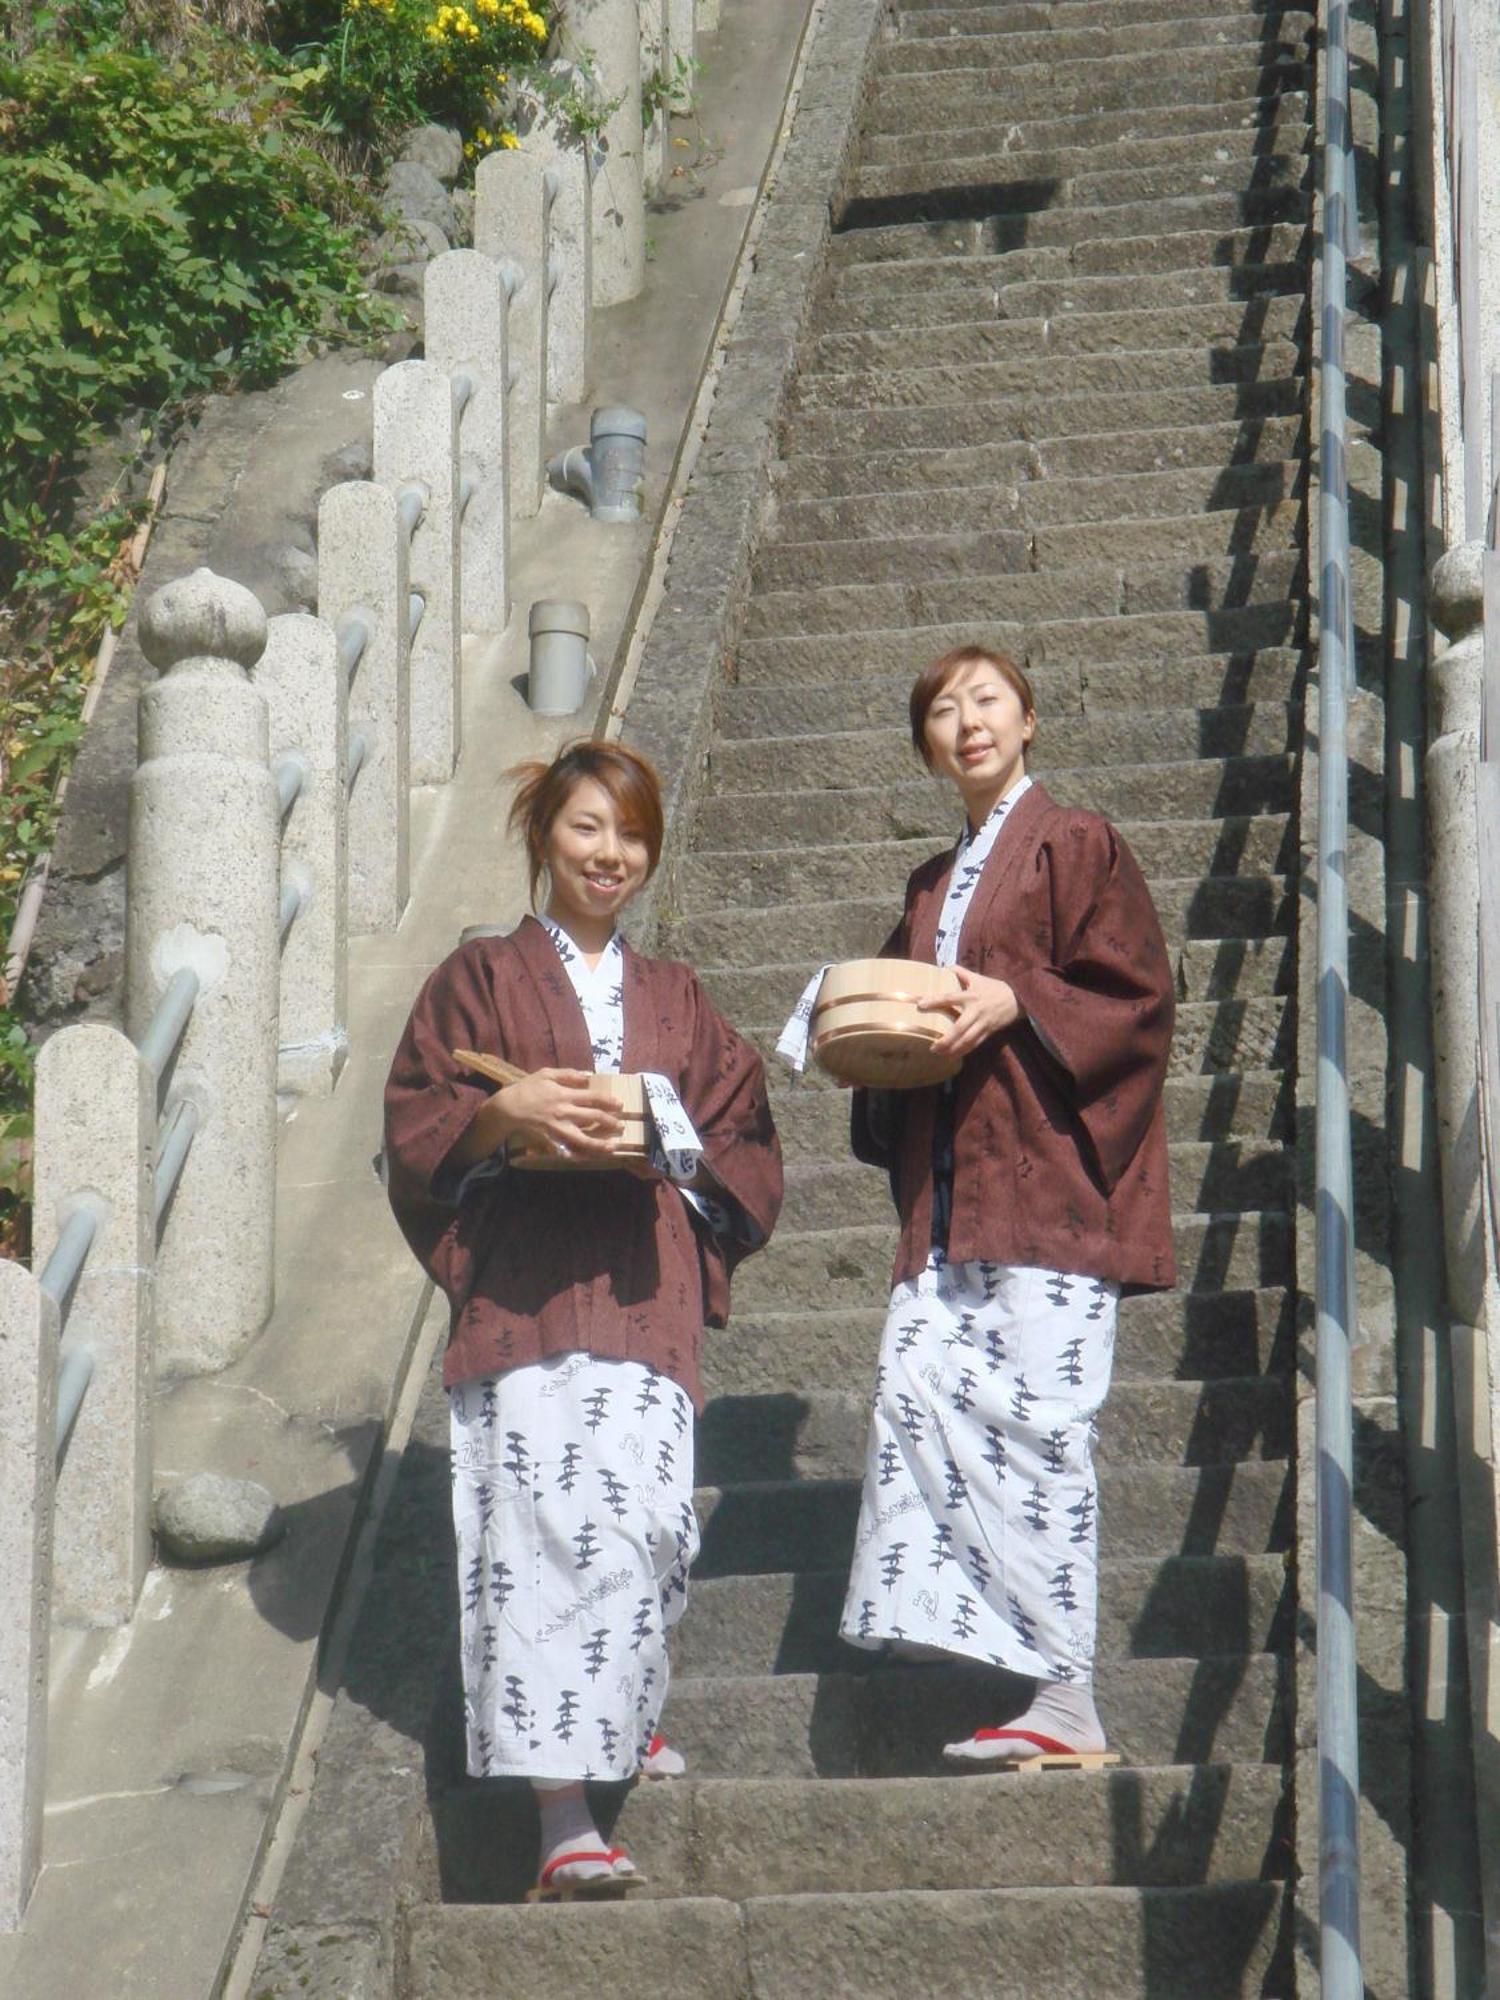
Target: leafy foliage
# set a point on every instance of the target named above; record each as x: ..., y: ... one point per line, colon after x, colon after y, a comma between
x: 372, y: 66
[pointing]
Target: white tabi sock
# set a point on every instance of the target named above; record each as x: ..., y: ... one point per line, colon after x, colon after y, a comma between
x: 568, y: 1828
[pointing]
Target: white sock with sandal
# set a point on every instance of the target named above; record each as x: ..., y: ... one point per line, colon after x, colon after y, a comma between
x: 1061, y: 1722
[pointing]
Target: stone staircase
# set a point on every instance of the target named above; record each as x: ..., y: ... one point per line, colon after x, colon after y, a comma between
x: 1054, y: 398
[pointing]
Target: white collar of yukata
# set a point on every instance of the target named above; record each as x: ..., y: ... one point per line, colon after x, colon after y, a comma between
x: 567, y: 948
x: 967, y: 835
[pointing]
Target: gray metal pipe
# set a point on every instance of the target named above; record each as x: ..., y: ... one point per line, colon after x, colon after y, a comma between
x: 293, y: 897
x: 468, y: 486
x: 354, y: 630
x: 290, y: 772
x: 463, y: 392
x: 411, y: 505
x: 174, y: 1143
x: 168, y: 1024
x: 609, y: 473
x: 416, y: 605
x: 63, y: 1269
x: 1339, y: 1951
x: 75, y: 1371
x: 359, y: 749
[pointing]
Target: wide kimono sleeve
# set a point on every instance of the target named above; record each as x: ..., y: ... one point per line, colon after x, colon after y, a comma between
x: 724, y: 1093
x: 430, y: 1101
x: 1099, y: 990
x: 875, y: 1116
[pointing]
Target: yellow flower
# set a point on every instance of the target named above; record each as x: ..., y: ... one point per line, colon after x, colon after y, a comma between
x: 509, y: 142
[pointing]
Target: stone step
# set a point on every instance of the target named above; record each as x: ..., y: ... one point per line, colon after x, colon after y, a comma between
x: 852, y: 759
x: 1039, y: 420
x: 1026, y: 503
x: 845, y: 1267
x: 894, y: 1722
x: 1215, y: 1941
x: 811, y: 873
x: 922, y: 259
x: 1191, y: 1336
x: 998, y: 186
x: 1262, y: 363
x: 964, y: 300
x: 1203, y: 969
x: 1035, y: 181
x: 821, y: 1434
x: 1064, y: 326
x: 920, y: 558
x: 1193, y: 790
x: 993, y: 219
x: 1245, y: 1110
x: 1206, y: 1179
x: 782, y: 1836
x: 1196, y: 1510
x: 1014, y: 152
x: 994, y: 37
x: 917, y: 24
x: 1216, y: 909
x: 1136, y: 123
x: 1148, y: 1608
x: 1100, y: 590
x: 1210, y: 1036
x: 1221, y: 74
x: 1212, y: 450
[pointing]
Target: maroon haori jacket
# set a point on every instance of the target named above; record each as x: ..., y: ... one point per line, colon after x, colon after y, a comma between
x: 1060, y: 1145
x: 552, y: 1263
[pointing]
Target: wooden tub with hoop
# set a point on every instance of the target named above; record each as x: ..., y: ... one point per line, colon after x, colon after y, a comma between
x: 866, y: 1027
x: 627, y: 1150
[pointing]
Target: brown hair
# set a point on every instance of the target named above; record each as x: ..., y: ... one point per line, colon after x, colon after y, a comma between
x: 544, y: 789
x: 934, y: 677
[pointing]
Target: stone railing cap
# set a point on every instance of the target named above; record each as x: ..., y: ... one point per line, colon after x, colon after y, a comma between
x: 202, y: 616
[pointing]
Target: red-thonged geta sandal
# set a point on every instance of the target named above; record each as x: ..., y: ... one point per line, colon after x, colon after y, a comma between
x: 1014, y: 1749
x: 608, y: 1886
x: 661, y: 1760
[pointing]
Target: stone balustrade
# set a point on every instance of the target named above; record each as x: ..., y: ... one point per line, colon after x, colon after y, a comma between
x: 270, y: 819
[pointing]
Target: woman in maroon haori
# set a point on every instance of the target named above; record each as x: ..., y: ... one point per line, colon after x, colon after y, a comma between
x: 1032, y: 1189
x: 578, y: 1299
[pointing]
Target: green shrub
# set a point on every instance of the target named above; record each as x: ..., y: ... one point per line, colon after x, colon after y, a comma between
x: 162, y: 232
x: 374, y: 67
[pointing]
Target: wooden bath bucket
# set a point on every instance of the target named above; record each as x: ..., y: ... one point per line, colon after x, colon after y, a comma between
x: 866, y: 1028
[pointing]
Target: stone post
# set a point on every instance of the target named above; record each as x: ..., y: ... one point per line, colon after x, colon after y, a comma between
x: 512, y: 201
x: 95, y: 1136
x: 465, y: 320
x: 1455, y: 701
x: 28, y: 1415
x: 570, y: 248
x: 707, y: 17
x: 656, y: 68
x: 362, y: 575
x: 202, y: 873
x: 604, y: 38
x: 307, y: 706
x: 416, y: 445
x: 682, y: 34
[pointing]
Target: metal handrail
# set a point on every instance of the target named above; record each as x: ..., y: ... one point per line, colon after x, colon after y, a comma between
x: 1337, y: 1310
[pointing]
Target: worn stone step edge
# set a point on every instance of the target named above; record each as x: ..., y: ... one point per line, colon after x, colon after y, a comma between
x: 896, y: 1721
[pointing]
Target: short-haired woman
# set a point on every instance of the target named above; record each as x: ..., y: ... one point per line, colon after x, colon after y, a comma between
x: 1031, y: 1190
x: 578, y: 1299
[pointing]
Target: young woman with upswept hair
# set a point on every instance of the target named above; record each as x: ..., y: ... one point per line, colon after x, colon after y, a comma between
x: 1032, y: 1189
x: 578, y: 1299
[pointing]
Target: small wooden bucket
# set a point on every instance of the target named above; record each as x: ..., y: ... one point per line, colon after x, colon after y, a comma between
x: 866, y: 1028
x: 628, y: 1149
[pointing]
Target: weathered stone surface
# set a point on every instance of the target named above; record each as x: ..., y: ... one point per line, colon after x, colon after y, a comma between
x: 208, y: 1518
x: 416, y: 194
x: 438, y: 148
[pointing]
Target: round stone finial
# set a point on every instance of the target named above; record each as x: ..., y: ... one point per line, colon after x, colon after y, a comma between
x: 202, y: 616
x: 1456, y: 589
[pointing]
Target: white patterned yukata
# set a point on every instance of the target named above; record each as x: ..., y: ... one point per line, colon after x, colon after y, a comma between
x: 978, y: 1526
x: 573, y: 1512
